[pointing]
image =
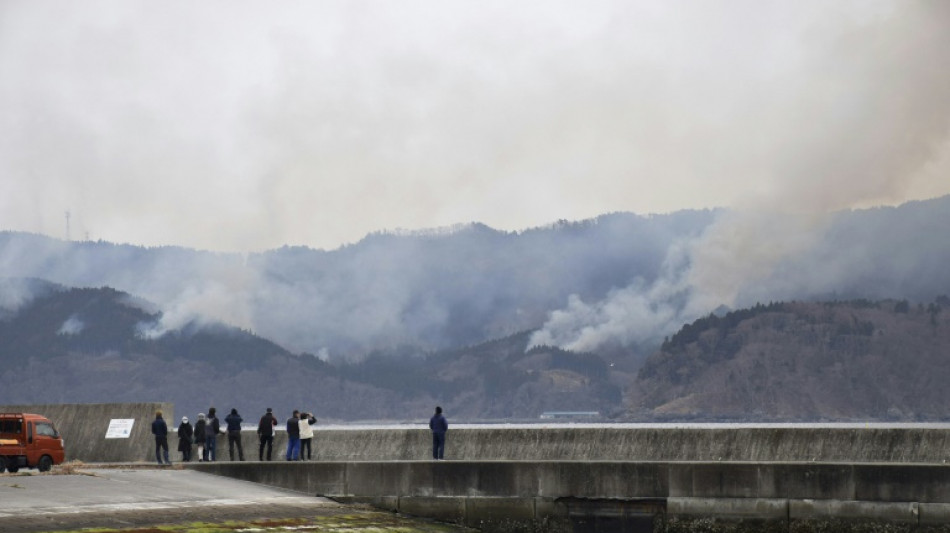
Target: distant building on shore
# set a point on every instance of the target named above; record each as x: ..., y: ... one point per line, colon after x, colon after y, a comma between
x: 560, y: 415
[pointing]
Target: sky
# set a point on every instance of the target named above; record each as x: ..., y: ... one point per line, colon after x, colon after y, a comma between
x: 246, y: 126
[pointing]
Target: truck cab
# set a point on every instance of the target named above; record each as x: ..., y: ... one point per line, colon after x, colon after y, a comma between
x: 29, y: 441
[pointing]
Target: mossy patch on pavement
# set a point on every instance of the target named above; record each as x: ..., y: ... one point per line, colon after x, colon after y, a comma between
x: 365, y: 522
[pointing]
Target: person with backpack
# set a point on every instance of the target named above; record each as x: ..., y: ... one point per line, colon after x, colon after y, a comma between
x: 265, y: 432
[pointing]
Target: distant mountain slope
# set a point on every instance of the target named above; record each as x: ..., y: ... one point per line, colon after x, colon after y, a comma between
x: 877, y: 253
x: 76, y: 321
x: 497, y: 379
x: 853, y: 360
x: 444, y: 289
x: 96, y: 345
x: 434, y: 290
x: 87, y: 345
x: 803, y: 361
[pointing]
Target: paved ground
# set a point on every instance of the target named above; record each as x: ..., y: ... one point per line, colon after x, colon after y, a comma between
x: 123, y: 498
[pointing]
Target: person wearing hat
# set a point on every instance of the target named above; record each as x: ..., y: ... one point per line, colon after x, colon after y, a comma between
x: 265, y: 432
x: 185, y: 435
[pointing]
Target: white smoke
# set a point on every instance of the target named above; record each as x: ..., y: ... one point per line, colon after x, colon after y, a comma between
x: 72, y: 326
x: 870, y: 114
x: 14, y: 294
x: 225, y: 298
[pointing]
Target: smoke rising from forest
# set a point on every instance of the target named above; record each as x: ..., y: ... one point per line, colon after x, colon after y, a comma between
x: 316, y: 124
x: 866, y: 119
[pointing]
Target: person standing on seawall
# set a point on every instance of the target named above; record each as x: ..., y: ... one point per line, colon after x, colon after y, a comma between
x: 439, y: 426
x: 234, y: 433
x: 211, y: 434
x: 185, y: 434
x: 200, y: 437
x: 293, y: 436
x: 265, y: 432
x: 306, y: 434
x: 160, y: 430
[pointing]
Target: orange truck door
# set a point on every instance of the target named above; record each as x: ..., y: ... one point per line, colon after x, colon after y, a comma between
x: 47, y: 442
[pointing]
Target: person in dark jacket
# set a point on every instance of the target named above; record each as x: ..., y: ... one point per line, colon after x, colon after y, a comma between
x: 200, y: 437
x: 185, y: 436
x: 293, y: 436
x: 439, y: 427
x: 265, y: 432
x: 234, y: 433
x: 160, y: 430
x: 212, y: 428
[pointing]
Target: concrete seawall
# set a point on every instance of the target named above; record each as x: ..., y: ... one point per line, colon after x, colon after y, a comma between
x: 83, y: 428
x: 625, y: 443
x: 632, y: 496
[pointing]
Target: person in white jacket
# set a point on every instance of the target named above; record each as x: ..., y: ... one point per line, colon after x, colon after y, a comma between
x: 306, y: 434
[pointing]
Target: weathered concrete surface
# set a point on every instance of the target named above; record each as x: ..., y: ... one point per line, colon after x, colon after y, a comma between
x: 142, y: 497
x: 765, y: 494
x: 83, y: 427
x: 601, y: 479
x: 151, y: 496
x: 624, y: 443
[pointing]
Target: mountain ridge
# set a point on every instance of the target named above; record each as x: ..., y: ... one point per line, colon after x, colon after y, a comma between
x: 834, y: 360
x: 782, y: 361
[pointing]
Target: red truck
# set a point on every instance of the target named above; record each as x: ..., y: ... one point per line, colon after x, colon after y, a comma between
x: 30, y: 441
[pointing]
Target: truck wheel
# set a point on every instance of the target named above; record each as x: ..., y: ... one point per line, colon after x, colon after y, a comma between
x: 12, y: 467
x: 45, y: 464
x: 3, y: 464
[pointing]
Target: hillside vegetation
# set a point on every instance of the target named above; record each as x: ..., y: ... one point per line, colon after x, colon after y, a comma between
x: 87, y: 345
x: 803, y: 361
x: 444, y: 290
x: 862, y: 359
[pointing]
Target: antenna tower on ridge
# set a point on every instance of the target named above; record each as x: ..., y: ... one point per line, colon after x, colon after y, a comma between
x: 67, y: 226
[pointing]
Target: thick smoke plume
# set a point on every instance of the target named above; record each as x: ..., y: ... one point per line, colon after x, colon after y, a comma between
x: 864, y: 121
x: 317, y: 124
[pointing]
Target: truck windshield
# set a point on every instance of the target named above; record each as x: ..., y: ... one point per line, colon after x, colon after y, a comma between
x: 47, y: 429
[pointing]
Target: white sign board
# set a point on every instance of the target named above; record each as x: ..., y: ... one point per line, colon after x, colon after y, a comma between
x: 120, y: 428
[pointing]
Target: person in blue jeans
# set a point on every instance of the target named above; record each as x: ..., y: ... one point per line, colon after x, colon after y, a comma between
x: 439, y: 426
x: 293, y: 436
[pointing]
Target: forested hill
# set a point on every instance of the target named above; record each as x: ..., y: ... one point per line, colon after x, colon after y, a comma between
x: 98, y: 345
x: 434, y: 290
x: 854, y: 360
x: 66, y: 345
x: 73, y: 321
x: 471, y: 284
